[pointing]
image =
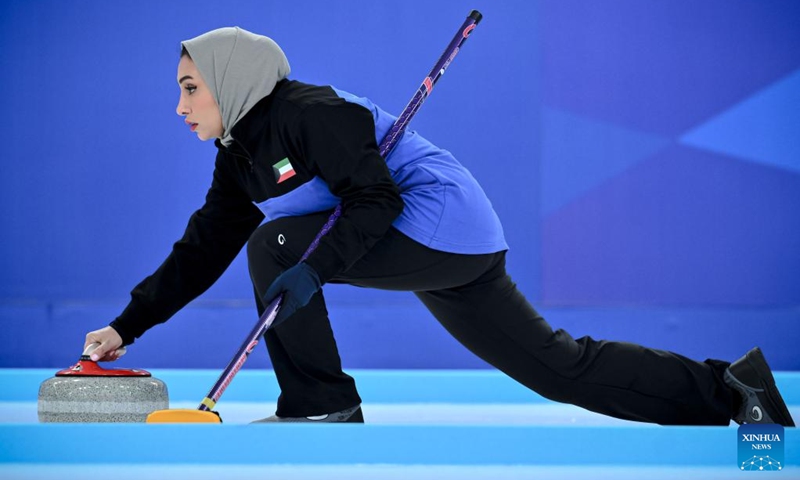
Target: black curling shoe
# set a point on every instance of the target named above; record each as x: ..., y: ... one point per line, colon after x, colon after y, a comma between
x: 751, y: 377
x: 349, y: 415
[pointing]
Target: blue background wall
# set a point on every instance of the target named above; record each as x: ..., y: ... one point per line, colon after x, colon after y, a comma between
x: 643, y: 156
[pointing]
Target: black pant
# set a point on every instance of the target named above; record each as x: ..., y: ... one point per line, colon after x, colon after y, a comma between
x: 473, y: 297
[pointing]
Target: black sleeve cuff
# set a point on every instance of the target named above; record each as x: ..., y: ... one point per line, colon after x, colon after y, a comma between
x: 127, y: 338
x: 133, y: 322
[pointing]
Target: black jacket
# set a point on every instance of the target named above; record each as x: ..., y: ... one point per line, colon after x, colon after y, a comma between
x: 322, y: 135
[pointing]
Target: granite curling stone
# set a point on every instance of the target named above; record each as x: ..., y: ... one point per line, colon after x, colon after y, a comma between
x: 86, y: 392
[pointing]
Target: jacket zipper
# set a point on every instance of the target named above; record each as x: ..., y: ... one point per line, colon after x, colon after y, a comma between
x: 247, y: 155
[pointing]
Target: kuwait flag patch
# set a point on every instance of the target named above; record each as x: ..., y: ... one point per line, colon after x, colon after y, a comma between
x: 283, y: 170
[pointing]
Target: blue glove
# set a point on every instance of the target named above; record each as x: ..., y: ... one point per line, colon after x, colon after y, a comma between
x: 298, y: 285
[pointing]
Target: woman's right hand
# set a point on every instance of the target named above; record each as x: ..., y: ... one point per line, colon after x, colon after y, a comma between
x: 110, y: 347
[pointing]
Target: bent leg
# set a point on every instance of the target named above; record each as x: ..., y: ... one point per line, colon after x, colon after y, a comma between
x: 302, y: 349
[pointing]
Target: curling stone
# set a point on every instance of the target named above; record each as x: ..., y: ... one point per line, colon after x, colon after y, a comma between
x: 86, y: 392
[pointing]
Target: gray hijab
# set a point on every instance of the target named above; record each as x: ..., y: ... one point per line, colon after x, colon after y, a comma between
x: 239, y: 67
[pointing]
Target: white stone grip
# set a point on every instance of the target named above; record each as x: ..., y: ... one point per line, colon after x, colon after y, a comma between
x: 93, y: 346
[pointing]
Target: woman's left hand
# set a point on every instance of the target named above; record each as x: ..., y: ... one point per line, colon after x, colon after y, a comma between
x: 298, y: 285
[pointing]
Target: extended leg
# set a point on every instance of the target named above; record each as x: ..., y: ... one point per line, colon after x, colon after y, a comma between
x: 493, y: 319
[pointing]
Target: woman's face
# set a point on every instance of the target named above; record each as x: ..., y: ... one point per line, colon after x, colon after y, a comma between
x: 197, y: 104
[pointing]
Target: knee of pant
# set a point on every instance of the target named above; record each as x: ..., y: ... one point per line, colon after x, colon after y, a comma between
x: 262, y: 247
x: 566, y: 357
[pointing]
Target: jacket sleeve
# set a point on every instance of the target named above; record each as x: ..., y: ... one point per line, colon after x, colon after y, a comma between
x: 339, y: 142
x: 214, y: 236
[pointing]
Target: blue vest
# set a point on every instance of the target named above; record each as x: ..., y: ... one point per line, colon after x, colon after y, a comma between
x: 445, y: 207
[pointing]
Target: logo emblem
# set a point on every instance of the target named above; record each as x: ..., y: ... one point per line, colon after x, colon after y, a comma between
x: 760, y: 445
x: 756, y: 414
x: 283, y: 170
x: 281, y: 239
